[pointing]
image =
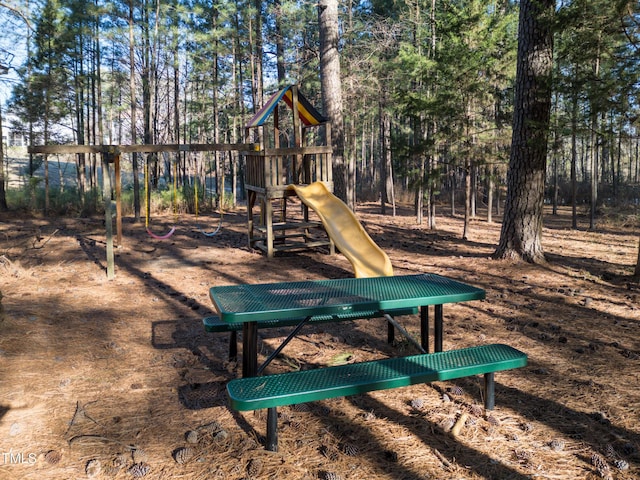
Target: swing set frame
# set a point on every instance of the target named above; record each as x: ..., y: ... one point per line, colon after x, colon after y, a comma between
x: 258, y: 175
x: 111, y: 155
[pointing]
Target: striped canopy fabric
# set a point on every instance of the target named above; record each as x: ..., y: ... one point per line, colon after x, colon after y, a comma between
x: 307, y: 113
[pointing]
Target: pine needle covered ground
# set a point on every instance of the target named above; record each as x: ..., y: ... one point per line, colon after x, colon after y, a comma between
x: 117, y: 379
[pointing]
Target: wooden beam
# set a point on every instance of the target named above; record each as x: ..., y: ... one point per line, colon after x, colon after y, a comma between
x: 170, y: 147
x: 52, y: 149
x: 246, y: 148
x: 310, y: 150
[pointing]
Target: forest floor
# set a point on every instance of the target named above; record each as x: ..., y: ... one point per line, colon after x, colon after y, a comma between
x: 106, y: 378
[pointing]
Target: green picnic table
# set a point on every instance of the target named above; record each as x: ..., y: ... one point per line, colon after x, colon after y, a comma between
x: 349, y: 297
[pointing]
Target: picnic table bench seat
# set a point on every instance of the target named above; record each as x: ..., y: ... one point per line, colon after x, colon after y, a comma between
x: 271, y: 391
x: 215, y: 324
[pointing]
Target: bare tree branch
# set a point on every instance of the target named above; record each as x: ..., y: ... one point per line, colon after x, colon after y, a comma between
x: 17, y: 13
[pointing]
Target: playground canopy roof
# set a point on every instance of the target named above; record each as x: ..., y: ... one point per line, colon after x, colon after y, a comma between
x: 307, y: 113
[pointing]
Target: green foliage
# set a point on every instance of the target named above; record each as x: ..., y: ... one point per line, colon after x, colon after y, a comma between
x: 443, y: 72
x: 31, y: 200
x: 41, y: 98
x: 452, y: 91
x: 19, y: 199
x: 206, y: 202
x: 167, y: 201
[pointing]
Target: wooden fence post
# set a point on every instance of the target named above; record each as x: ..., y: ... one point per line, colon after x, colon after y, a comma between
x: 108, y: 155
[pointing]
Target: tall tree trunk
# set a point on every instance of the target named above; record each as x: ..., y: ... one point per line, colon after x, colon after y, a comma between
x: 280, y: 64
x: 521, y: 233
x: 555, y: 153
x: 351, y: 123
x: 385, y: 153
x: 373, y: 172
x: 29, y: 43
x: 574, y: 160
x: 98, y: 75
x: 618, y: 177
x: 432, y: 128
x: 147, y: 60
x: 256, y: 58
x: 453, y: 176
x: 132, y: 90
x: 332, y: 96
x: 419, y: 200
x: 473, y: 207
x: 594, y: 152
x: 237, y: 120
x: 3, y: 196
x: 81, y: 158
x: 636, y: 272
x: 91, y: 114
x: 468, y: 172
x: 490, y: 189
x: 47, y: 104
x: 383, y: 156
x: 433, y: 177
x: 219, y: 158
x: 239, y: 96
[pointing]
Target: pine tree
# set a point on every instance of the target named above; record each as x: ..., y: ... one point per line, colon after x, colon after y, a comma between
x: 521, y: 233
x: 344, y: 183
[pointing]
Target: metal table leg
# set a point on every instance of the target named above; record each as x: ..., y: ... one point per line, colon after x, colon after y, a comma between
x: 249, y: 349
x: 489, y: 391
x: 272, y: 430
x: 391, y: 333
x: 438, y: 329
x: 424, y: 327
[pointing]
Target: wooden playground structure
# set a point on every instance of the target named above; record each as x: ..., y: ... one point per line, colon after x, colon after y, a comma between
x: 271, y: 168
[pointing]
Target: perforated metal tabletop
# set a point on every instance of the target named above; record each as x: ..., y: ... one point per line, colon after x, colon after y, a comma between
x: 250, y: 303
x: 253, y: 302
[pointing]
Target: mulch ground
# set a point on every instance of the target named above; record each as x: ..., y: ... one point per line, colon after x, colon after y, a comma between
x: 117, y: 378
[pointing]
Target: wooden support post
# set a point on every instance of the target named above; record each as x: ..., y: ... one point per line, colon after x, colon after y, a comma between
x: 251, y: 201
x: 297, y: 137
x: 118, y: 199
x: 268, y: 217
x: 108, y: 214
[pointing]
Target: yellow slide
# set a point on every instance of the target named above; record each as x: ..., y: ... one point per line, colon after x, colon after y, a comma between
x: 345, y: 230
